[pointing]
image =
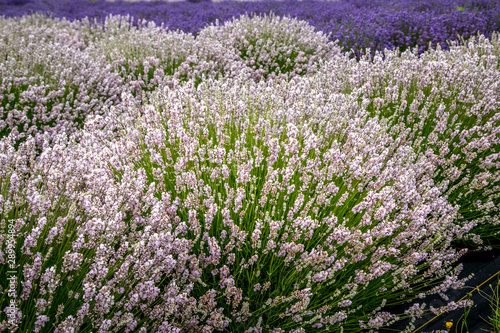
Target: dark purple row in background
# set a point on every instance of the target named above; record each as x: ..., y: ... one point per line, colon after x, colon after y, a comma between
x: 357, y: 24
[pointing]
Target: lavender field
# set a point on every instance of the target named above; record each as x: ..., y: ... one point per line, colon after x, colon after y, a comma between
x: 267, y: 166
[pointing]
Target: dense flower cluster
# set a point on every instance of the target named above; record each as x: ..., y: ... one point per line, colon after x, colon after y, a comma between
x: 157, y: 181
x: 271, y: 45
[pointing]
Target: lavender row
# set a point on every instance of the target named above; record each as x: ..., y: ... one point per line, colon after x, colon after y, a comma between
x: 233, y: 206
x: 356, y: 24
x: 190, y: 184
x: 58, y: 72
x: 45, y: 92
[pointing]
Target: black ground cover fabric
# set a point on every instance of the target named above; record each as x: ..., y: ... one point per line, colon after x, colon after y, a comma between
x: 484, y: 265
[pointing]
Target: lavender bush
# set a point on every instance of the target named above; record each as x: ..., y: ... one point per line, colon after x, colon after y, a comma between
x: 448, y: 101
x: 296, y: 200
x: 272, y: 45
x: 148, y: 57
x: 311, y: 217
x: 47, y: 84
x: 72, y: 34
